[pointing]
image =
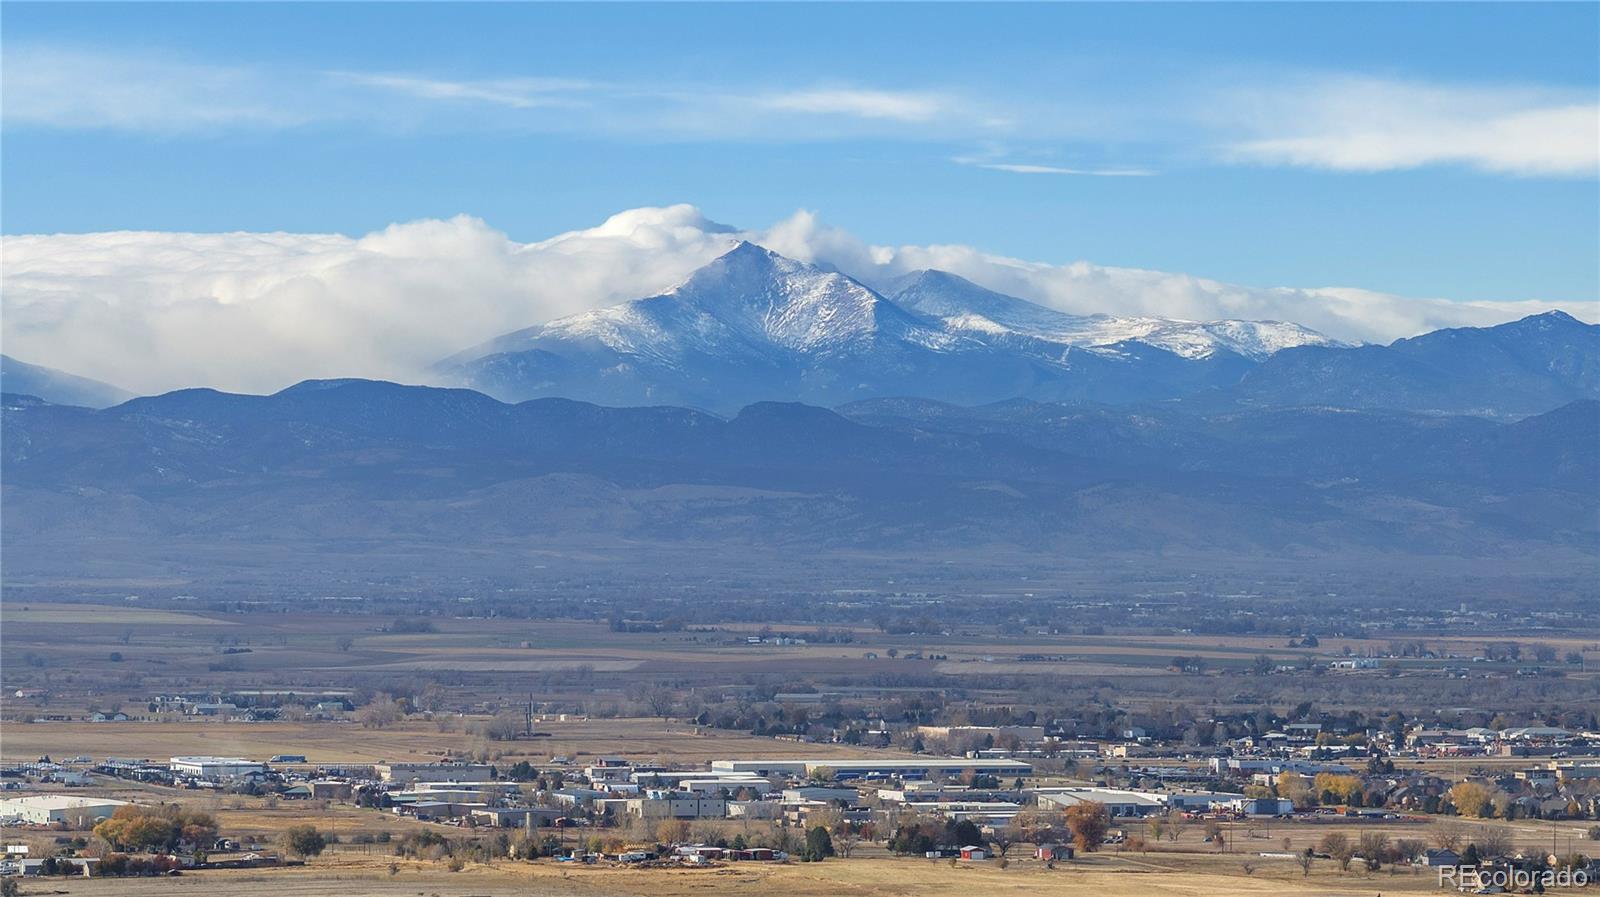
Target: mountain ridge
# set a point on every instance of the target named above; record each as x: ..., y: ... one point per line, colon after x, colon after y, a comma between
x: 59, y: 387
x: 355, y: 459
x: 753, y: 325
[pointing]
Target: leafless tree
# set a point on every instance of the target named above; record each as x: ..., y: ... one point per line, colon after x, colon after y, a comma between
x: 1337, y: 845
x: 1492, y: 840
x: 1305, y: 858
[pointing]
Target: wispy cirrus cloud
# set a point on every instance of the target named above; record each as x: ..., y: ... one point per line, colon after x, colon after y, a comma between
x: 1370, y: 124
x: 514, y: 93
x: 1018, y: 168
x: 97, y: 88
x: 999, y: 156
x: 75, y: 88
x: 1279, y: 118
x: 904, y: 106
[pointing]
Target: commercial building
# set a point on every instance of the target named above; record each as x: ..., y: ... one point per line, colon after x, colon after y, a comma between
x: 1263, y: 806
x: 214, y: 767
x: 434, y: 772
x: 948, y: 767
x: 1117, y: 802
x: 709, y: 784
x: 1569, y: 770
x: 49, y: 809
x: 677, y: 805
x: 994, y: 812
x: 516, y: 817
x: 1201, y: 800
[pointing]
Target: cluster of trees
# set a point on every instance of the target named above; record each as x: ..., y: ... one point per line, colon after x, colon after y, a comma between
x: 1484, y: 840
x: 1374, y: 849
x: 920, y: 836
x: 1086, y: 824
x: 120, y: 864
x: 430, y: 845
x: 1088, y: 821
x: 302, y: 841
x: 384, y: 710
x: 60, y: 866
x: 157, y: 829
x: 523, y: 771
x: 507, y: 725
x: 819, y: 845
x: 1326, y: 788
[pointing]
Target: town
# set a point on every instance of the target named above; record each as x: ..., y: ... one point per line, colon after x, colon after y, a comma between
x: 1226, y: 743
x: 1338, y: 796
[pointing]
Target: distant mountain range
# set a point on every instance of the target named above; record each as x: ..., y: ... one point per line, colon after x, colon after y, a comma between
x: 1523, y: 367
x: 329, y: 463
x: 963, y: 419
x: 754, y: 326
x: 59, y: 387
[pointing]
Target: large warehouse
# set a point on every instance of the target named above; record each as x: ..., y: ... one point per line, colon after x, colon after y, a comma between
x: 855, y: 769
x: 215, y: 768
x: 48, y: 809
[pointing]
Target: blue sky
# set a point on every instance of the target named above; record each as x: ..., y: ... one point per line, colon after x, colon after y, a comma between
x: 1425, y: 150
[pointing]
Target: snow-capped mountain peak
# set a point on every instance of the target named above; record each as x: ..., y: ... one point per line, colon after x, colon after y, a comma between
x: 963, y: 305
x: 748, y: 301
x: 767, y: 297
x: 753, y: 325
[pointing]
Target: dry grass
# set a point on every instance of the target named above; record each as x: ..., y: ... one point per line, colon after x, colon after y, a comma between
x: 351, y: 875
x: 637, y: 739
x: 121, y: 615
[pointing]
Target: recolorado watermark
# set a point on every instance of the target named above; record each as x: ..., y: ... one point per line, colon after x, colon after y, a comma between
x: 1469, y: 877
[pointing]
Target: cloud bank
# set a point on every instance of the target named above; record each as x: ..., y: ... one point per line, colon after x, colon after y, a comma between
x: 255, y: 312
x: 1369, y: 124
x: 1279, y: 117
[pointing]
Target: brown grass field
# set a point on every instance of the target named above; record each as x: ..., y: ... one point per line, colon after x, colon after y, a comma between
x: 638, y: 739
x: 349, y: 875
x: 179, y: 648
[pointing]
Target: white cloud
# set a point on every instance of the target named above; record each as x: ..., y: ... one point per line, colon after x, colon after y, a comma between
x: 1279, y: 117
x: 255, y: 312
x: 89, y: 88
x: 994, y: 155
x: 896, y: 105
x: 1367, y: 124
x: 74, y: 88
x: 1017, y: 168
x: 515, y: 93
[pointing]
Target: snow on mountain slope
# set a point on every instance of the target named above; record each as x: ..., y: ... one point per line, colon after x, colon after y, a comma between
x: 753, y: 325
x: 964, y: 306
x: 748, y: 302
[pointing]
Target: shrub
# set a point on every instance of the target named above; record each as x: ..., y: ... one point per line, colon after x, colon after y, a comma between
x: 302, y: 841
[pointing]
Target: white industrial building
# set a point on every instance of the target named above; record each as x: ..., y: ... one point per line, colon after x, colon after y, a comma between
x: 677, y: 805
x: 214, y: 767
x: 848, y: 769
x: 1117, y: 801
x: 434, y: 772
x: 49, y: 809
x: 994, y: 812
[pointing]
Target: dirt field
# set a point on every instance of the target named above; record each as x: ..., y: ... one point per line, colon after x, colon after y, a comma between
x: 176, y: 649
x: 637, y: 739
x: 355, y: 876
